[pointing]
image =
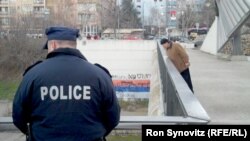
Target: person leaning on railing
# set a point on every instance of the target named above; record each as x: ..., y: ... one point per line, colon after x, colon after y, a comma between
x: 177, y: 54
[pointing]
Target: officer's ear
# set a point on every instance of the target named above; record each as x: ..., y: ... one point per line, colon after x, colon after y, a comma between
x: 52, y: 45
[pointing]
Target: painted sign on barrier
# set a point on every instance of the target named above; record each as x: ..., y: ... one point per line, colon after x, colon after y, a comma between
x: 131, y: 85
x: 129, y: 63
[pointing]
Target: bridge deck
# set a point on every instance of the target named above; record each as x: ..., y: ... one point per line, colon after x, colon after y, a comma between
x: 222, y: 87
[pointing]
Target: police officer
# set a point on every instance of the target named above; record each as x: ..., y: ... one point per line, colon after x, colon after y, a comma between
x: 65, y: 97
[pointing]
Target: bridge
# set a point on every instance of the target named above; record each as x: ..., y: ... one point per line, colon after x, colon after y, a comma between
x: 221, y: 87
x: 221, y: 94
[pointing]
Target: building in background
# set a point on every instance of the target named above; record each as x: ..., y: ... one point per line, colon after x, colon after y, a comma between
x: 172, y: 7
x: 61, y: 12
x: 5, y: 7
x: 89, y: 17
x: 29, y: 6
x: 125, y: 34
x: 83, y: 14
x: 12, y: 9
x: 144, y: 7
x: 198, y: 5
x: 176, y: 10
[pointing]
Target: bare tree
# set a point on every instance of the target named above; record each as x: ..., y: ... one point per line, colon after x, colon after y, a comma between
x: 209, y: 12
x: 20, y: 48
x: 187, y: 18
x: 89, y: 13
x: 152, y: 19
x: 108, y: 13
x: 63, y: 14
x: 129, y: 15
x: 206, y: 16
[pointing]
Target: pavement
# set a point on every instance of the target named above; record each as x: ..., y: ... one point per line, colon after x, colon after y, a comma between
x: 12, y: 136
x: 222, y: 87
x: 5, y: 108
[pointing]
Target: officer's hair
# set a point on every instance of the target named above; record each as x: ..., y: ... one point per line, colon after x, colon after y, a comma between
x: 65, y: 43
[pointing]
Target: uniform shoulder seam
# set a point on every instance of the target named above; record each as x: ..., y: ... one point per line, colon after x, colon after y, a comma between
x: 31, y: 66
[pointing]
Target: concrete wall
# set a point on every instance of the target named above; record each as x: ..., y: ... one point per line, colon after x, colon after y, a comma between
x: 155, y: 105
x: 5, y: 108
x: 210, y: 43
x: 129, y: 61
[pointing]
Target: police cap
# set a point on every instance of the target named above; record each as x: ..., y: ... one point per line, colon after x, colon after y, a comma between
x: 61, y: 33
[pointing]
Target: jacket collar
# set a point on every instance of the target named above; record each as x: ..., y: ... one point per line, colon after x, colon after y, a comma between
x: 170, y: 45
x: 66, y: 51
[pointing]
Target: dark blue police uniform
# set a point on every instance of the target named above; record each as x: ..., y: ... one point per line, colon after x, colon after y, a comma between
x: 65, y: 98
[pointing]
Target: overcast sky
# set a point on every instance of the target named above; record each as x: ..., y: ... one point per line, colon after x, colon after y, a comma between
x: 148, y: 4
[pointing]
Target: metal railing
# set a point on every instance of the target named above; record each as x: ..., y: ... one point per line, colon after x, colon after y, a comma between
x: 129, y: 122
x: 178, y: 98
x: 180, y: 104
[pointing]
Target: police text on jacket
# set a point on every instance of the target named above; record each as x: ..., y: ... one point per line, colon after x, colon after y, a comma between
x: 74, y: 92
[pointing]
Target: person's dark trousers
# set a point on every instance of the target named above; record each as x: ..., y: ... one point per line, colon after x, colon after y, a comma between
x: 186, y: 76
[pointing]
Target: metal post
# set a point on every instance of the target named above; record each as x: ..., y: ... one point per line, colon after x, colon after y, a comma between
x: 143, y: 18
x: 86, y: 29
x: 117, y: 10
x: 207, y: 6
x: 237, y: 43
x: 157, y: 18
x: 170, y: 13
x: 118, y: 31
x: 182, y: 23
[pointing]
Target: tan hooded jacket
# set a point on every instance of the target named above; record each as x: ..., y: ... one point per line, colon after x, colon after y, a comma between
x: 178, y: 56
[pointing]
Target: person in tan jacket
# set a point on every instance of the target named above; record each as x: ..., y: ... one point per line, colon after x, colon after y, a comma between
x: 177, y: 54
